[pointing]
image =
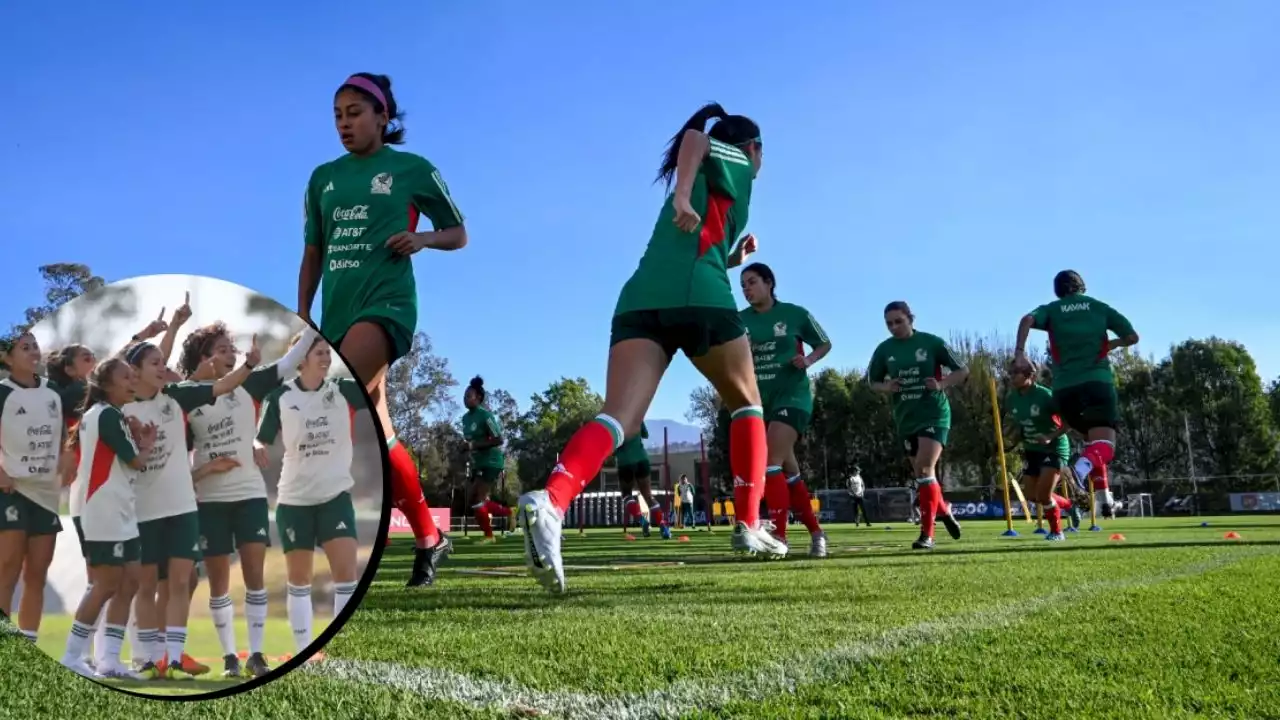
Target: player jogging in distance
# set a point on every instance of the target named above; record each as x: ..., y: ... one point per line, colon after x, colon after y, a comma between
x: 1045, y: 448
x: 362, y: 212
x: 113, y: 450
x: 231, y: 494
x: 678, y: 299
x: 168, y: 518
x: 634, y: 472
x: 778, y: 332
x: 1084, y: 385
x: 313, y: 417
x: 908, y: 365
x: 483, y: 433
x: 33, y: 466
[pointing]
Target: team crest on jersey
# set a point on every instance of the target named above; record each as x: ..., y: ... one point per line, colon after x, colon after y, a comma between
x: 779, y: 329
x: 166, y: 411
x: 1035, y: 411
x: 233, y: 402
x: 381, y: 184
x: 53, y: 409
x: 921, y: 355
x: 327, y: 400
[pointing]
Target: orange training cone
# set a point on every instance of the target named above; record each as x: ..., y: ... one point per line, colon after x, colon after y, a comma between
x: 1233, y: 535
x: 1117, y: 537
x: 629, y: 537
x: 684, y: 538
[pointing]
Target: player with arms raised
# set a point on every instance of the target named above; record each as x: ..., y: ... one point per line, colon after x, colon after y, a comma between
x: 1084, y: 385
x: 483, y: 433
x: 678, y: 299
x: 362, y: 212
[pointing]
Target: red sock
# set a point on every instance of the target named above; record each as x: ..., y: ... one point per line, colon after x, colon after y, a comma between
x: 802, y: 505
x: 1099, y: 453
x: 582, y: 459
x: 1053, y: 513
x: 748, y: 455
x: 930, y: 501
x: 1099, y: 475
x: 1060, y: 502
x: 482, y: 519
x: 778, y: 500
x: 655, y: 514
x: 633, y: 509
x: 497, y: 509
x: 406, y: 494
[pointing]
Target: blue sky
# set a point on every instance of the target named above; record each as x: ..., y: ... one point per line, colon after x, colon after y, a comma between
x: 952, y: 155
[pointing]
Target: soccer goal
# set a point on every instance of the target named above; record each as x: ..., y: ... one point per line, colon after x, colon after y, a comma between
x: 892, y: 504
x: 1139, y: 505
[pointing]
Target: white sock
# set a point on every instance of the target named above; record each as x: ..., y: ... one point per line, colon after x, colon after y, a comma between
x: 29, y: 635
x: 255, y: 613
x: 342, y: 593
x: 224, y: 616
x: 300, y: 615
x: 137, y: 650
x: 100, y: 636
x: 143, y: 645
x: 175, y: 644
x: 159, y: 647
x: 114, y: 643
x: 77, y: 640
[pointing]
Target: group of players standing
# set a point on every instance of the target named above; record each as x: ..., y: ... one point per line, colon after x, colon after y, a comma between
x: 164, y: 469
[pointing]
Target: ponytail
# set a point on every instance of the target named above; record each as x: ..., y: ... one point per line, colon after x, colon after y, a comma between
x: 732, y: 129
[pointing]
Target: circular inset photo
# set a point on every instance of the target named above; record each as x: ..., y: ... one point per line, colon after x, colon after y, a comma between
x: 191, y: 491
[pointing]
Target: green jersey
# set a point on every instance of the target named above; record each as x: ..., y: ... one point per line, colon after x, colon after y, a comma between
x: 1037, y: 416
x: 1078, y: 342
x: 633, y: 452
x: 690, y: 269
x: 778, y: 336
x: 911, y: 362
x: 355, y: 204
x: 480, y: 424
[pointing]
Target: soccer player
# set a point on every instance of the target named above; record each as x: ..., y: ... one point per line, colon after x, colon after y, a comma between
x: 1045, y: 448
x: 168, y: 518
x: 113, y: 450
x: 778, y: 332
x: 1084, y: 385
x: 33, y: 430
x: 231, y: 494
x: 634, y: 472
x: 678, y: 299
x: 362, y: 212
x: 483, y: 433
x: 908, y: 366
x: 313, y: 417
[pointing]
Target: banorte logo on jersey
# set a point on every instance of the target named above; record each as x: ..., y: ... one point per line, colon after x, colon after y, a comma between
x: 348, y: 214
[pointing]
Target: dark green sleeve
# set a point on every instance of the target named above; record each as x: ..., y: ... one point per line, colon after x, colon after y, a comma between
x: 111, y: 430
x: 1117, y: 323
x: 269, y: 425
x: 644, y: 431
x: 1040, y: 318
x: 728, y: 171
x: 354, y: 394
x: 190, y: 395
x: 877, y: 369
x: 73, y: 397
x: 810, y: 331
x: 262, y: 381
x: 432, y: 197
x: 491, y: 422
x: 312, y: 218
x: 946, y: 358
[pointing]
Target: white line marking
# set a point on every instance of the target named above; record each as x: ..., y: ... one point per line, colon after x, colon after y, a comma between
x: 714, y: 693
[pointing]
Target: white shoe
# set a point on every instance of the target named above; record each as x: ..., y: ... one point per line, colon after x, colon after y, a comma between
x: 117, y: 671
x: 542, y: 524
x: 758, y: 541
x: 77, y: 666
x: 818, y: 545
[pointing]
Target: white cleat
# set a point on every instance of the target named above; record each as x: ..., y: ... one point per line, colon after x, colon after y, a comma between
x: 78, y: 666
x: 758, y: 541
x: 818, y: 545
x: 117, y: 671
x: 542, y: 524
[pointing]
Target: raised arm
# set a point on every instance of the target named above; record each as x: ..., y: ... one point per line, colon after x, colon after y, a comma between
x: 180, y: 316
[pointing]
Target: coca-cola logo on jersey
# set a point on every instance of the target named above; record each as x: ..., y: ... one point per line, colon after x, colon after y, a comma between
x: 356, y: 212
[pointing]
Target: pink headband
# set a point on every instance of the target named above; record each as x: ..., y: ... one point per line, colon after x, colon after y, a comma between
x: 368, y: 86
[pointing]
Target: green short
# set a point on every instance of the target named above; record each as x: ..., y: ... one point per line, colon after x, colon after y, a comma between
x: 631, y: 473
x: 306, y: 527
x: 225, y: 526
x: 487, y: 475
x: 795, y: 417
x: 18, y: 512
x: 112, y: 553
x: 1038, y: 461
x: 1088, y: 405
x: 176, y: 537
x: 691, y: 330
x: 911, y: 442
x: 399, y: 336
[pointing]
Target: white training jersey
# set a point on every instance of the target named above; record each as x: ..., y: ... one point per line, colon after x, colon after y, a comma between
x: 317, y: 430
x: 165, y: 487
x: 31, y: 431
x: 104, y: 485
x: 227, y: 429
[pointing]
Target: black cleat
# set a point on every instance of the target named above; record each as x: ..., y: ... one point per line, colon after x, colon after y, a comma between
x: 257, y: 666
x: 923, y: 543
x: 1108, y: 511
x: 426, y: 560
x: 231, y: 666
x: 953, y: 527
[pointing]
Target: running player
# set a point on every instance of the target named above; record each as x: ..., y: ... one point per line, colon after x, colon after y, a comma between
x: 1084, y: 385
x: 114, y: 449
x: 678, y: 299
x: 231, y: 494
x: 483, y: 433
x: 908, y: 365
x: 778, y: 332
x: 362, y: 211
x: 313, y: 417
x: 635, y: 472
x: 1045, y: 448
x: 168, y: 520
x: 33, y: 430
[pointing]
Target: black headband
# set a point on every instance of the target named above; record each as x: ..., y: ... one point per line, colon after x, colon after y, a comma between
x: 135, y: 353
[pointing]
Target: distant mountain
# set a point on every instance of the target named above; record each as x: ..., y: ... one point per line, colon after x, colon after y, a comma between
x: 677, y: 434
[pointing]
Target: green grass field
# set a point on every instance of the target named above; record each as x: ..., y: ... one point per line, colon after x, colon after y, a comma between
x: 1172, y: 622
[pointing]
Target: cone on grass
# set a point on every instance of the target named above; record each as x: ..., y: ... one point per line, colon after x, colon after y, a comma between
x: 629, y: 537
x: 1233, y: 535
x: 684, y: 538
x: 1117, y: 537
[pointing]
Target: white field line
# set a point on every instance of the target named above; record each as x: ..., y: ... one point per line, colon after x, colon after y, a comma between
x: 709, y: 694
